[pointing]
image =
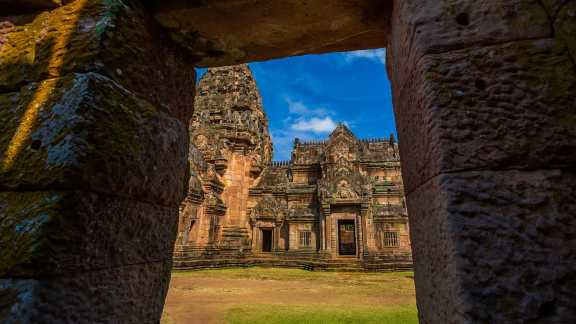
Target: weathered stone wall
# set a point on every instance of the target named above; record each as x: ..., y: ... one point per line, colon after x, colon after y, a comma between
x: 484, y: 98
x: 92, y: 162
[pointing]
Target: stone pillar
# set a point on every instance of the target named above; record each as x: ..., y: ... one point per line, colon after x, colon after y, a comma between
x: 277, y: 234
x: 321, y: 232
x: 328, y: 240
x: 255, y: 238
x: 485, y: 101
x: 93, y: 107
x: 359, y: 235
x: 363, y: 222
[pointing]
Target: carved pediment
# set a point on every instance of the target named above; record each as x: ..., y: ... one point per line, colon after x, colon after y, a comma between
x: 345, y: 191
x: 269, y: 208
x: 346, y: 187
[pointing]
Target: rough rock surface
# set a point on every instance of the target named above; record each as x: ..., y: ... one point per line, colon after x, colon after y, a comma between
x: 427, y: 27
x: 484, y: 94
x: 98, y: 36
x: 564, y: 19
x: 493, y: 232
x: 93, y: 134
x: 472, y: 117
x: 92, y: 161
x: 51, y: 233
x: 260, y: 29
x: 130, y: 294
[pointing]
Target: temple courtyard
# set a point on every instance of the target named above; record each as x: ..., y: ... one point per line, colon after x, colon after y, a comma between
x: 267, y: 295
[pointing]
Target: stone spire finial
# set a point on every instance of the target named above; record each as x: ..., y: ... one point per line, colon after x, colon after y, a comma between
x: 228, y: 87
x: 228, y: 115
x: 341, y: 128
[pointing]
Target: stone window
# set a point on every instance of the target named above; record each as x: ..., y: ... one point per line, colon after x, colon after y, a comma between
x: 305, y: 238
x: 391, y: 239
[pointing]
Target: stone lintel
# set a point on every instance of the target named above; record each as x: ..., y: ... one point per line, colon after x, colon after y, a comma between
x: 276, y: 28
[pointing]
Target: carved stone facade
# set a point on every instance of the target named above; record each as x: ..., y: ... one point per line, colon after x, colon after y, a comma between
x: 230, y: 146
x: 336, y: 200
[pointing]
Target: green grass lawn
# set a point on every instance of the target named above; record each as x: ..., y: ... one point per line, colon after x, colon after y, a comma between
x: 271, y: 295
x: 279, y: 314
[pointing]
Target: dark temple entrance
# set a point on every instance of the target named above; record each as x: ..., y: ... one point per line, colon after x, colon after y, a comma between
x: 266, y: 240
x: 346, y: 237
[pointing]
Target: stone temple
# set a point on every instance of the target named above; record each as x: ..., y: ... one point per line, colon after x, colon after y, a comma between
x: 338, y: 203
x: 96, y: 97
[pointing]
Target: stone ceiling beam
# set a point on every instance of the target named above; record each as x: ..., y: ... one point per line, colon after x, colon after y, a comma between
x: 255, y: 30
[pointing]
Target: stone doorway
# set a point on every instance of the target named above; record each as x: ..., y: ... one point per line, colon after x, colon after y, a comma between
x: 485, y: 116
x: 346, y: 238
x: 267, y: 240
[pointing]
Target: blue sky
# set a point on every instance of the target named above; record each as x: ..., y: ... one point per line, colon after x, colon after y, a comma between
x: 306, y: 96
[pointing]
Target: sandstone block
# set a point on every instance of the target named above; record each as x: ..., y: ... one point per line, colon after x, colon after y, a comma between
x: 129, y: 294
x: 257, y: 30
x: 495, y: 247
x: 62, y: 232
x: 432, y: 26
x: 87, y: 132
x: 494, y: 107
x: 98, y: 36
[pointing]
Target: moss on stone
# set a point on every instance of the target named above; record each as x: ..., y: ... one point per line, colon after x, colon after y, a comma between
x: 23, y: 221
x: 565, y: 28
x: 36, y: 50
x: 88, y: 127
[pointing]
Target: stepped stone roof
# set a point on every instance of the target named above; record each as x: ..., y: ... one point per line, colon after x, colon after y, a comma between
x: 229, y: 115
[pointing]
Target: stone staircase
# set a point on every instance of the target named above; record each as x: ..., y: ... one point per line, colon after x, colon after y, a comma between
x: 235, y: 254
x: 235, y: 237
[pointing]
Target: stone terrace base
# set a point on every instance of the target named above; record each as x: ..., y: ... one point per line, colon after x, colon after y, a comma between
x: 187, y: 258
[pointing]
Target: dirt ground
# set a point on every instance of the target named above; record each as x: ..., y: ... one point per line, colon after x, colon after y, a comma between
x: 207, y: 296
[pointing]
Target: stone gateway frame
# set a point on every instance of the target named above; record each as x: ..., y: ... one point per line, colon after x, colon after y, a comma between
x: 95, y: 96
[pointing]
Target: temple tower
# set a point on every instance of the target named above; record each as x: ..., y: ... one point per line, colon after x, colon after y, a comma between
x: 230, y: 129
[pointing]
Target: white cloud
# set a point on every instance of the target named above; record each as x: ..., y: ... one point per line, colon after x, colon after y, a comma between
x: 376, y: 55
x: 304, y: 122
x: 299, y: 108
x: 315, y: 125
